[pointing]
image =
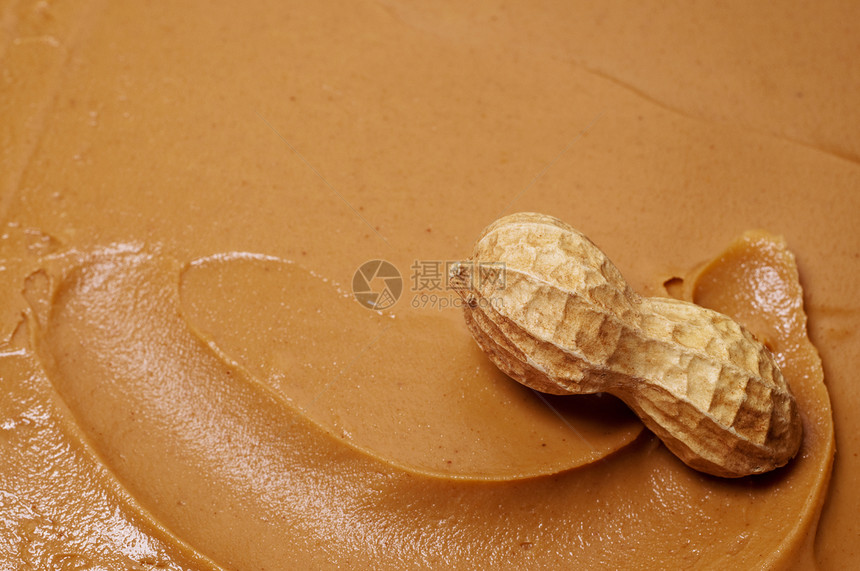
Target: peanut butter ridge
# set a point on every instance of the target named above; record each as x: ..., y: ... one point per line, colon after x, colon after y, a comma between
x: 273, y: 319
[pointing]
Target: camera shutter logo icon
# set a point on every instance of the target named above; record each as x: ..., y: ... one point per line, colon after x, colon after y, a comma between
x: 377, y: 284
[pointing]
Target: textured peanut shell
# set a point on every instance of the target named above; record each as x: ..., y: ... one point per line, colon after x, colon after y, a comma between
x: 565, y: 321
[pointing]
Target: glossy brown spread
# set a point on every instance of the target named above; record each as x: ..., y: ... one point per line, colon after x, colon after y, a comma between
x: 186, y: 381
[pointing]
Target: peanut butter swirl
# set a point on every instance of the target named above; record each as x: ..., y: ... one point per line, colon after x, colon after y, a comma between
x: 187, y: 430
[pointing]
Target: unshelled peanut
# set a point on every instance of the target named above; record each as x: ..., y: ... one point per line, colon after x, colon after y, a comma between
x: 563, y: 320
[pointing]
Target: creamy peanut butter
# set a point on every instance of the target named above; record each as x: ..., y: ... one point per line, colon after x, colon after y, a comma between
x: 187, y: 191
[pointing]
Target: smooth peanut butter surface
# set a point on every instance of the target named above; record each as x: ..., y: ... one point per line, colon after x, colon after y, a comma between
x: 186, y: 381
